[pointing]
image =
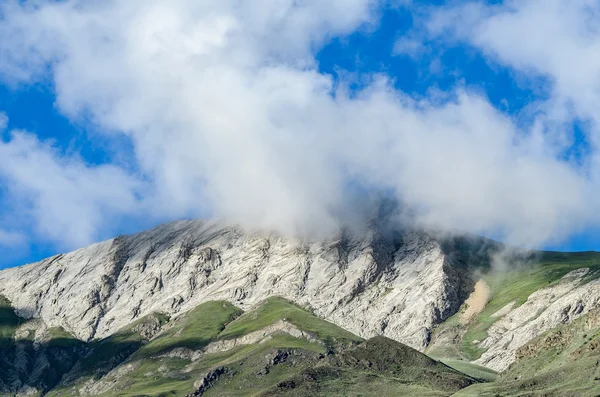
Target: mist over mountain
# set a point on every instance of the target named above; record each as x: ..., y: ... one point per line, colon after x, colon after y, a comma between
x: 243, y: 112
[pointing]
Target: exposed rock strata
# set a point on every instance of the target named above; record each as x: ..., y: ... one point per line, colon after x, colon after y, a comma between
x: 544, y: 309
x: 396, y: 285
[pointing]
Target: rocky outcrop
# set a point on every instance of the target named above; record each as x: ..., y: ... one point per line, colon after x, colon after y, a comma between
x: 207, y: 381
x: 379, y: 283
x: 545, y: 309
x: 260, y: 336
x: 256, y: 337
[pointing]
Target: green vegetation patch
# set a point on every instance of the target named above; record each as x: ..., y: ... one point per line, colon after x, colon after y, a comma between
x: 379, y: 366
x: 59, y: 338
x: 247, y: 370
x: 473, y: 370
x: 194, y: 330
x: 275, y: 309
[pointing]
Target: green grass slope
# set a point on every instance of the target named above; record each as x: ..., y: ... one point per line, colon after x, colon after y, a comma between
x: 379, y: 366
x: 195, y: 330
x: 275, y: 309
x: 339, y: 363
x: 243, y: 370
x: 243, y: 359
x: 473, y: 370
x: 8, y: 324
x: 147, y: 370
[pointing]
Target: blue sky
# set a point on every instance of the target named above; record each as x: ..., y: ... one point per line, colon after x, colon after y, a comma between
x: 415, y: 59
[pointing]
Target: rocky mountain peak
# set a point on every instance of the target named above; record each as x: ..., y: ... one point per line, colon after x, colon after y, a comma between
x: 383, y: 282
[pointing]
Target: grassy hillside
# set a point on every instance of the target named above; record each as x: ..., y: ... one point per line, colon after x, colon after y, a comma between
x: 275, y: 309
x: 148, y: 370
x: 274, y: 349
x: 195, y: 330
x: 378, y: 366
x: 476, y: 371
x: 8, y: 321
x: 8, y: 324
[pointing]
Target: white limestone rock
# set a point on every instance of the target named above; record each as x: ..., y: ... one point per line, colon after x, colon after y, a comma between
x: 373, y: 285
x: 544, y: 309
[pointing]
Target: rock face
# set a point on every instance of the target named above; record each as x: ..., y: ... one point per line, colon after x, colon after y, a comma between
x: 399, y: 285
x: 544, y: 309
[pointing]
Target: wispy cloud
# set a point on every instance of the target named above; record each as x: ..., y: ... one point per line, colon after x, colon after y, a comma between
x: 11, y: 239
x: 3, y: 121
x: 410, y: 46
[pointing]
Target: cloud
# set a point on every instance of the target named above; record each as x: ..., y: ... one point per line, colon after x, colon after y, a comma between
x: 3, y: 121
x: 412, y: 47
x: 11, y: 239
x: 555, y: 40
x: 60, y: 197
x: 228, y: 114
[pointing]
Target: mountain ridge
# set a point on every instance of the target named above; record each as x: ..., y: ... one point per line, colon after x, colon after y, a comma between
x: 181, y: 263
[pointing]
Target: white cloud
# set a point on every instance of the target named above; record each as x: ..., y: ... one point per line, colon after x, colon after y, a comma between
x: 3, y: 121
x: 11, y: 239
x: 63, y: 199
x: 227, y: 113
x: 410, y: 46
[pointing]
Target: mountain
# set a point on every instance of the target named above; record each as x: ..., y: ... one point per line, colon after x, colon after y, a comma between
x: 395, y: 284
x: 199, y: 308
